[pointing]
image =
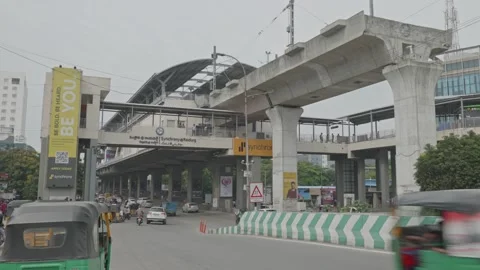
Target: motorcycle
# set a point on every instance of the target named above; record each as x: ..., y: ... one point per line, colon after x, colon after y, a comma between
x: 139, y: 221
x: 127, y: 215
x: 238, y: 215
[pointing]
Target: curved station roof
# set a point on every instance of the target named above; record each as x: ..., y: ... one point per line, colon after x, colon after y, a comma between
x: 182, y: 80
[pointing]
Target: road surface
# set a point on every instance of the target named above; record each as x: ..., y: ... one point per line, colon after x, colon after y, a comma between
x: 178, y: 245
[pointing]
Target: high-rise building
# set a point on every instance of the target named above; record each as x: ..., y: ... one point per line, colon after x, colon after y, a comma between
x: 461, y: 74
x: 13, y: 105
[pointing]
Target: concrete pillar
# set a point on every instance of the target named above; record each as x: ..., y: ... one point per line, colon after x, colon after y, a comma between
x: 393, y: 176
x: 120, y: 186
x: 383, y: 176
x: 241, y: 195
x: 413, y: 85
x: 256, y: 170
x: 156, y: 178
x: 340, y: 184
x: 361, y: 180
x: 129, y: 186
x: 189, y: 184
x: 175, y: 176
x: 114, y: 179
x: 215, y: 170
x: 284, y: 125
x: 139, y: 178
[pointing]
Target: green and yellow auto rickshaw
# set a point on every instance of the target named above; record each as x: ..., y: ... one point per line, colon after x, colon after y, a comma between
x: 57, y: 235
x: 449, y: 240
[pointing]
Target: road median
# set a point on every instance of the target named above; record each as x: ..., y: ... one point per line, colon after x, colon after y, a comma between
x: 368, y: 231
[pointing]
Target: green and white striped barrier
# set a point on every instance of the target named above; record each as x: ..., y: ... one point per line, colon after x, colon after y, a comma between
x: 357, y: 230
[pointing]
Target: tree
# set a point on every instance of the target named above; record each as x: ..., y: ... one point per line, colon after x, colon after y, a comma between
x: 22, y: 167
x: 308, y: 174
x: 314, y: 175
x: 452, y: 164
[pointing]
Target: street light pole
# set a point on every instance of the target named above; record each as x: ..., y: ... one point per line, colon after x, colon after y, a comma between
x: 247, y: 172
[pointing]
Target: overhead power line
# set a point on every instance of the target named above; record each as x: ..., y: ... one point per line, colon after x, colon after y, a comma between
x: 48, y: 67
x: 71, y: 64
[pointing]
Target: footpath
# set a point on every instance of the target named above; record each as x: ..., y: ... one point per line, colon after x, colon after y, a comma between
x: 369, y: 231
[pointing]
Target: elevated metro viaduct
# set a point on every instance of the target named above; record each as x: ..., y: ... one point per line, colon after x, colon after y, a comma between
x: 349, y: 151
x: 347, y: 55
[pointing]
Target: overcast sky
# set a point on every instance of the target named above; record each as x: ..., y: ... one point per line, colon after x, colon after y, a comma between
x: 135, y: 39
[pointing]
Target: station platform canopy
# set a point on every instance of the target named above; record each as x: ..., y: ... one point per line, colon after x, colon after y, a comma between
x: 443, y: 106
x: 182, y: 81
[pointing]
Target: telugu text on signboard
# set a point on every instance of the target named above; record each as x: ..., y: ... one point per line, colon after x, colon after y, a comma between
x: 64, y: 123
x: 162, y: 141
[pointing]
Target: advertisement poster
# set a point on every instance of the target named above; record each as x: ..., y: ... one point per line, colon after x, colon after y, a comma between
x: 461, y: 233
x: 64, y: 123
x: 226, y: 186
x: 290, y: 191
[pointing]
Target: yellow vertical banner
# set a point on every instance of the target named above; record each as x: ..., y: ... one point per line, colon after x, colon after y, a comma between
x: 290, y: 191
x: 64, y: 123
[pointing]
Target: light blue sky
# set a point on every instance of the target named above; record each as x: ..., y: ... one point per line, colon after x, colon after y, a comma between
x: 138, y: 38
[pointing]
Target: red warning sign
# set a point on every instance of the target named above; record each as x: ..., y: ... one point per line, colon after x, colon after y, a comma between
x: 256, y: 192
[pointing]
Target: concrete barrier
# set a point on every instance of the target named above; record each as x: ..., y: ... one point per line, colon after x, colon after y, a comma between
x: 357, y: 230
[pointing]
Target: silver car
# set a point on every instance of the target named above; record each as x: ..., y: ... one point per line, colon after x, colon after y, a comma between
x: 157, y: 214
x: 190, y: 208
x: 147, y: 204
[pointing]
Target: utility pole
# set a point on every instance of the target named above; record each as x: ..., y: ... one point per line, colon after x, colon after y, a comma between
x: 268, y: 56
x: 214, y: 63
x: 291, y: 24
x: 371, y: 8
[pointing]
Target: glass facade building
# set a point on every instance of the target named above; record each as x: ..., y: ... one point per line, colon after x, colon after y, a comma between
x: 461, y: 74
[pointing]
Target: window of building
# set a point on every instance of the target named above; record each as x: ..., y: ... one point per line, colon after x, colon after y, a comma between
x: 2, y: 126
x: 4, y: 103
x: 13, y: 111
x: 14, y: 95
x: 5, y: 87
x: 15, y: 81
x: 181, y: 124
x: 4, y: 111
x: 4, y: 95
x: 6, y: 80
x: 12, y: 118
x: 12, y: 126
x: 170, y: 123
x: 2, y: 118
x: 14, y: 103
x: 14, y: 88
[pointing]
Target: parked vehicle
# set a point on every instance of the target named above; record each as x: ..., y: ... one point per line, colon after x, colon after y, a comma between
x: 57, y: 235
x: 190, y: 208
x: 147, y: 204
x: 157, y: 214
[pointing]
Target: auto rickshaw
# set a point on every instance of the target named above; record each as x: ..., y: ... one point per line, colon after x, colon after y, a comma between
x: 12, y: 206
x: 446, y: 242
x: 58, y: 235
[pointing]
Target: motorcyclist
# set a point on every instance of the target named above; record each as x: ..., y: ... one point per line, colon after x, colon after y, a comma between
x: 140, y: 213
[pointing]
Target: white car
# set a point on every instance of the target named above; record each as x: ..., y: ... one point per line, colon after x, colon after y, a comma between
x: 190, y: 208
x: 142, y: 200
x: 147, y: 204
x: 157, y: 214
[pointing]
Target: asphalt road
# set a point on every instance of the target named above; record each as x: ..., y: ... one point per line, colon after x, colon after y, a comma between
x: 178, y: 245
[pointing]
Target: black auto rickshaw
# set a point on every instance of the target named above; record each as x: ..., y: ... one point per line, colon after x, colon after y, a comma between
x: 57, y: 235
x: 12, y: 206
